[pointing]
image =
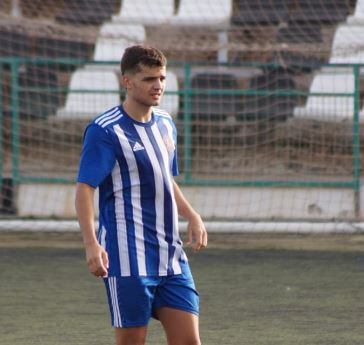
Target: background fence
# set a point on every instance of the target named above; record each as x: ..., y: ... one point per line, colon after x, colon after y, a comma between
x: 267, y: 97
x: 240, y: 125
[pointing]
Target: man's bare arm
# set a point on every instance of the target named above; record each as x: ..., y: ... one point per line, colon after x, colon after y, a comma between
x: 197, y: 234
x: 96, y: 256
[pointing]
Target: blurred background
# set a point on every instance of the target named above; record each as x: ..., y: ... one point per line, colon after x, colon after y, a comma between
x: 267, y: 97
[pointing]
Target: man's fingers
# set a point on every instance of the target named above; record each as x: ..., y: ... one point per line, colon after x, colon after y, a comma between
x: 103, y: 265
x: 204, y: 241
x: 101, y: 271
x: 197, y: 235
x: 105, y: 259
x: 97, y: 267
x: 199, y: 242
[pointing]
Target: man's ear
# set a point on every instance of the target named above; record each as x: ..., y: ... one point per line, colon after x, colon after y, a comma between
x: 125, y: 81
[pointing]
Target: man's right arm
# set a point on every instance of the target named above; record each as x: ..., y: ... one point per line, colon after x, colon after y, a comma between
x: 96, y: 256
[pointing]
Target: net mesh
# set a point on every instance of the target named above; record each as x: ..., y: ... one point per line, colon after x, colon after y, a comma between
x: 269, y: 127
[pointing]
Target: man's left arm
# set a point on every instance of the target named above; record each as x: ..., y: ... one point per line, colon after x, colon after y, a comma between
x: 197, y: 234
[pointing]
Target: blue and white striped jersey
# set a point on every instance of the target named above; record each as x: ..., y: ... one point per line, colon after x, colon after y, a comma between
x: 133, y: 164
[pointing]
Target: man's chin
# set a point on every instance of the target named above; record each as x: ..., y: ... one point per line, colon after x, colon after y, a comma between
x: 151, y: 103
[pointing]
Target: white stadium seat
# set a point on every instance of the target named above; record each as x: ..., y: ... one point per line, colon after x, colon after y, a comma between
x: 112, y: 41
x: 347, y: 48
x: 330, y: 108
x: 348, y: 45
x: 170, y: 103
x: 114, y: 38
x: 215, y: 13
x: 154, y: 12
x: 358, y: 17
x: 86, y: 105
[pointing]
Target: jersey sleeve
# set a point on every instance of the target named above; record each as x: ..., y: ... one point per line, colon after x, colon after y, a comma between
x: 97, y: 156
x: 175, y: 170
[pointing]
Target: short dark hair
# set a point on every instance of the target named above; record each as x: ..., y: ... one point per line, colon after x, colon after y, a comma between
x: 138, y: 55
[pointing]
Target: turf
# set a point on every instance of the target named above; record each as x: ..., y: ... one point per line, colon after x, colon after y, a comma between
x: 260, y: 294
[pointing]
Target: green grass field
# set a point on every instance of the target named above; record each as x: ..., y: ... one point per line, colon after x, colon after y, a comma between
x: 255, y: 290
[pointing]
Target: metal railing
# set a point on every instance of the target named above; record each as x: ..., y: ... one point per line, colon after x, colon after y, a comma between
x: 187, y: 92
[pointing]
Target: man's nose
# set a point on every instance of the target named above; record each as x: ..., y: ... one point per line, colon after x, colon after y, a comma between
x: 158, y: 85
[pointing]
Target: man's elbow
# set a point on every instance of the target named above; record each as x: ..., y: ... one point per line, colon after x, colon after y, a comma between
x: 84, y: 193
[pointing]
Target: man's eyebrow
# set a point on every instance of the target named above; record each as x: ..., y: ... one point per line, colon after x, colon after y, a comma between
x: 154, y: 77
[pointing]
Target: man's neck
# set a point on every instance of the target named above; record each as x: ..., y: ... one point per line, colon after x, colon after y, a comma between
x: 137, y: 111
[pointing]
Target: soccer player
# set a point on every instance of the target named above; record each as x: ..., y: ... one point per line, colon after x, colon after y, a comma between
x: 129, y: 152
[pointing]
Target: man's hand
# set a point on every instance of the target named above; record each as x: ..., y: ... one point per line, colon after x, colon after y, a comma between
x: 96, y: 256
x: 97, y: 260
x: 197, y: 234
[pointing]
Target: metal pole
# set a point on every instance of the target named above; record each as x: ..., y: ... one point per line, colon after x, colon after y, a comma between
x: 2, y: 153
x: 187, y: 124
x: 356, y: 143
x: 15, y: 120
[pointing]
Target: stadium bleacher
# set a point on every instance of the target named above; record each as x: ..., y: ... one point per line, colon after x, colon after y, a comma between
x: 358, y: 16
x: 112, y: 40
x: 271, y: 107
x: 259, y: 12
x: 85, y: 105
x: 346, y: 49
x: 267, y: 31
x: 214, y: 14
x: 114, y: 37
x: 295, y: 24
x: 297, y: 62
x: 56, y: 48
x: 40, y: 103
x: 347, y: 44
x: 145, y: 12
x: 214, y: 107
x: 323, y: 11
x: 269, y: 49
x: 208, y: 14
x: 83, y: 12
x: 333, y: 81
x: 14, y: 43
x: 249, y: 13
x: 293, y: 33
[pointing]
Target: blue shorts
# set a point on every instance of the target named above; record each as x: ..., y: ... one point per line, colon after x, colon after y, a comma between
x: 133, y: 300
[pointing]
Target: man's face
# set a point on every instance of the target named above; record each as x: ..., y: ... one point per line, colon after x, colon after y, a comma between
x: 147, y: 86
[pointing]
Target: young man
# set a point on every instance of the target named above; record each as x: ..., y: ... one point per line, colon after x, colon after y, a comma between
x: 129, y: 152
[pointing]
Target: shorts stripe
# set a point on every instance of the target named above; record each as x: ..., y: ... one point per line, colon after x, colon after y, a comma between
x: 134, y: 300
x: 115, y: 302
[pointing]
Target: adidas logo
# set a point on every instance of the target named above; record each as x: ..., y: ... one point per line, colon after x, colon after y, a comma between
x: 137, y: 147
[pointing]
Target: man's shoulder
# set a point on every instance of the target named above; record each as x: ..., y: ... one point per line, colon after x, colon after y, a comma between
x: 161, y: 113
x: 108, y: 118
